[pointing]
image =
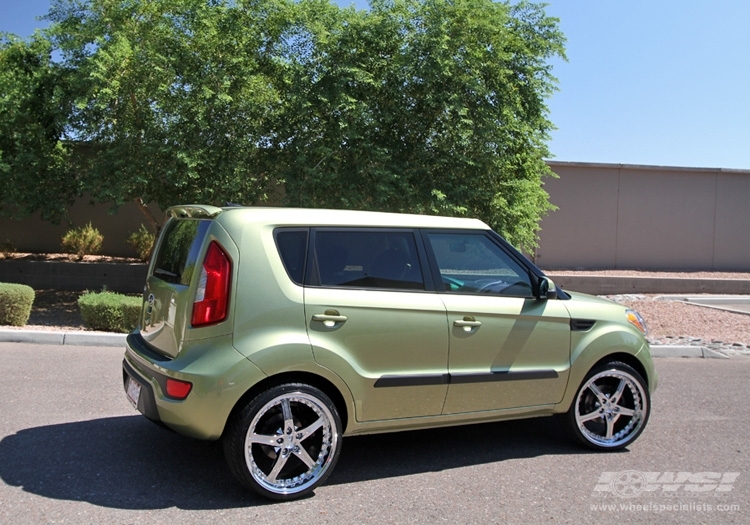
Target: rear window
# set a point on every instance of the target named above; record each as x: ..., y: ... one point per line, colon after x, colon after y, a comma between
x: 178, y: 250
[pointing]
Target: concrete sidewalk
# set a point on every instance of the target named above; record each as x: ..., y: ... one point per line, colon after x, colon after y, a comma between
x: 118, y: 340
x: 739, y: 304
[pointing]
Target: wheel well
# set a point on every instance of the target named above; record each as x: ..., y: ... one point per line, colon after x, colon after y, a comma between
x: 295, y: 377
x: 628, y: 359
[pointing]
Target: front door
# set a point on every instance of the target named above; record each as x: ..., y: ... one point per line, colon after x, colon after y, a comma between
x: 507, y: 348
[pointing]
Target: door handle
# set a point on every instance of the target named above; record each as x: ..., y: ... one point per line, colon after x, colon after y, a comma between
x: 329, y: 318
x: 468, y: 323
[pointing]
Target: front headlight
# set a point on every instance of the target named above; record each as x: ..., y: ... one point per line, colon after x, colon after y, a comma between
x: 636, y: 320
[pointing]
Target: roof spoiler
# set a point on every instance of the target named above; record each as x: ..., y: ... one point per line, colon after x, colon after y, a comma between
x: 193, y: 211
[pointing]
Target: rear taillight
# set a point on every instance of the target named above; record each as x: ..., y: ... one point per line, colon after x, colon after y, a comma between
x: 212, y: 297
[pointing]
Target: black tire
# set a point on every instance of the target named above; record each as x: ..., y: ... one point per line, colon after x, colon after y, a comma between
x: 610, y: 409
x: 285, y: 442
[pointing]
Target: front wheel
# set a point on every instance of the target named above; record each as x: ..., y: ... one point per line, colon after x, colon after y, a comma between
x: 611, y: 407
x: 285, y: 442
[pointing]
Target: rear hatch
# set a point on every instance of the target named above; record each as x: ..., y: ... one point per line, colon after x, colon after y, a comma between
x: 187, y: 288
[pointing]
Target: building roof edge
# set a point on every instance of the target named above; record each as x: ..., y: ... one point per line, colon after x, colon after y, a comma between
x: 645, y: 167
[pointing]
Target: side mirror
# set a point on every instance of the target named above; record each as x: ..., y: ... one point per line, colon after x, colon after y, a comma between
x: 546, y: 289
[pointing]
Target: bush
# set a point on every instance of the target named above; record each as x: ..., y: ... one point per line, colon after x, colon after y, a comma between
x: 142, y: 242
x: 15, y: 304
x: 7, y: 248
x: 82, y: 241
x: 110, y: 312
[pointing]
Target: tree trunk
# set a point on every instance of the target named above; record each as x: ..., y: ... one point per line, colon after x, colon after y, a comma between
x: 155, y: 225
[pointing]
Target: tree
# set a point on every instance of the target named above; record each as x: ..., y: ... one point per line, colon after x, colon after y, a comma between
x: 178, y: 99
x: 432, y: 106
x: 427, y: 106
x: 35, y: 170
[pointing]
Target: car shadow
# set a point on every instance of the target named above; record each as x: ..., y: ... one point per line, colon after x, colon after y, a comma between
x: 128, y: 463
x: 414, y: 452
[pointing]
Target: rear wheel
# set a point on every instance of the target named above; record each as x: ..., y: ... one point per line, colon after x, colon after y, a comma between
x: 611, y: 407
x: 285, y: 442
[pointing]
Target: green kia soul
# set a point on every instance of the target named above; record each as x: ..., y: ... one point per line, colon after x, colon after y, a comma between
x: 280, y: 331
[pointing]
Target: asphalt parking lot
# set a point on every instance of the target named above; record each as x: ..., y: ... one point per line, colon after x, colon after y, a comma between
x: 72, y: 450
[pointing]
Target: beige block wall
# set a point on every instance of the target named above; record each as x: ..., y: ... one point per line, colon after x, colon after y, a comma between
x: 609, y: 216
x: 646, y: 217
x: 583, y: 231
x: 36, y: 236
x: 732, y: 235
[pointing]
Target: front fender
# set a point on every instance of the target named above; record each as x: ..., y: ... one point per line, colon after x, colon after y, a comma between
x: 606, y: 339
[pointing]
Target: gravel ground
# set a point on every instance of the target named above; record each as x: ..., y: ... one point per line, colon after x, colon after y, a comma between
x: 679, y: 323
x: 669, y: 322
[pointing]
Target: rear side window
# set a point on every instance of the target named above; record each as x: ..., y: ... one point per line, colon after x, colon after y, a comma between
x: 178, y: 250
x: 368, y: 259
x: 292, y: 245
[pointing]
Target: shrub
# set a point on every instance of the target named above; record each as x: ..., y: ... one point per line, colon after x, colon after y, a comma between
x: 15, y: 304
x: 110, y: 312
x: 82, y: 241
x: 142, y: 242
x: 7, y: 248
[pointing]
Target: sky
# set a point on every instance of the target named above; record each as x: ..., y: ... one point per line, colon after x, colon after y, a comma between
x: 651, y: 82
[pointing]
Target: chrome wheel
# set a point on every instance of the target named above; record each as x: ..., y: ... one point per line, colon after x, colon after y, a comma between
x: 290, y: 441
x: 611, y: 407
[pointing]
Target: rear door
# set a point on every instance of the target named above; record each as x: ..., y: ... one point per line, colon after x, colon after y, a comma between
x: 168, y: 297
x: 375, y: 319
x: 507, y: 349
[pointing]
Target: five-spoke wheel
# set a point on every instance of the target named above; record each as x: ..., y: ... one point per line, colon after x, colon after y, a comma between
x: 285, y: 442
x: 611, y: 407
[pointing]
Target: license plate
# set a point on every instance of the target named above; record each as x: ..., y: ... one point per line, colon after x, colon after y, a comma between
x: 134, y: 391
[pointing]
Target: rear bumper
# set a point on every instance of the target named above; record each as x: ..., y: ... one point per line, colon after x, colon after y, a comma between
x: 146, y: 401
x: 220, y: 376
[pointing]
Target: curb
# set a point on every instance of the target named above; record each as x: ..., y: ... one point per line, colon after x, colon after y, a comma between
x: 110, y: 339
x: 685, y: 351
x: 63, y: 338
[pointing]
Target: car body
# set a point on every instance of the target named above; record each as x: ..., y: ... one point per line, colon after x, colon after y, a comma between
x: 282, y: 330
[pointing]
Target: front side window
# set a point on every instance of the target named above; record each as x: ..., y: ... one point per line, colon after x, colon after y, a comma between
x: 368, y: 259
x: 473, y: 263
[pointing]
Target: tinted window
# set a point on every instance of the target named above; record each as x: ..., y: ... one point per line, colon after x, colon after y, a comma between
x: 473, y: 263
x: 178, y: 250
x: 292, y: 245
x: 368, y: 259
